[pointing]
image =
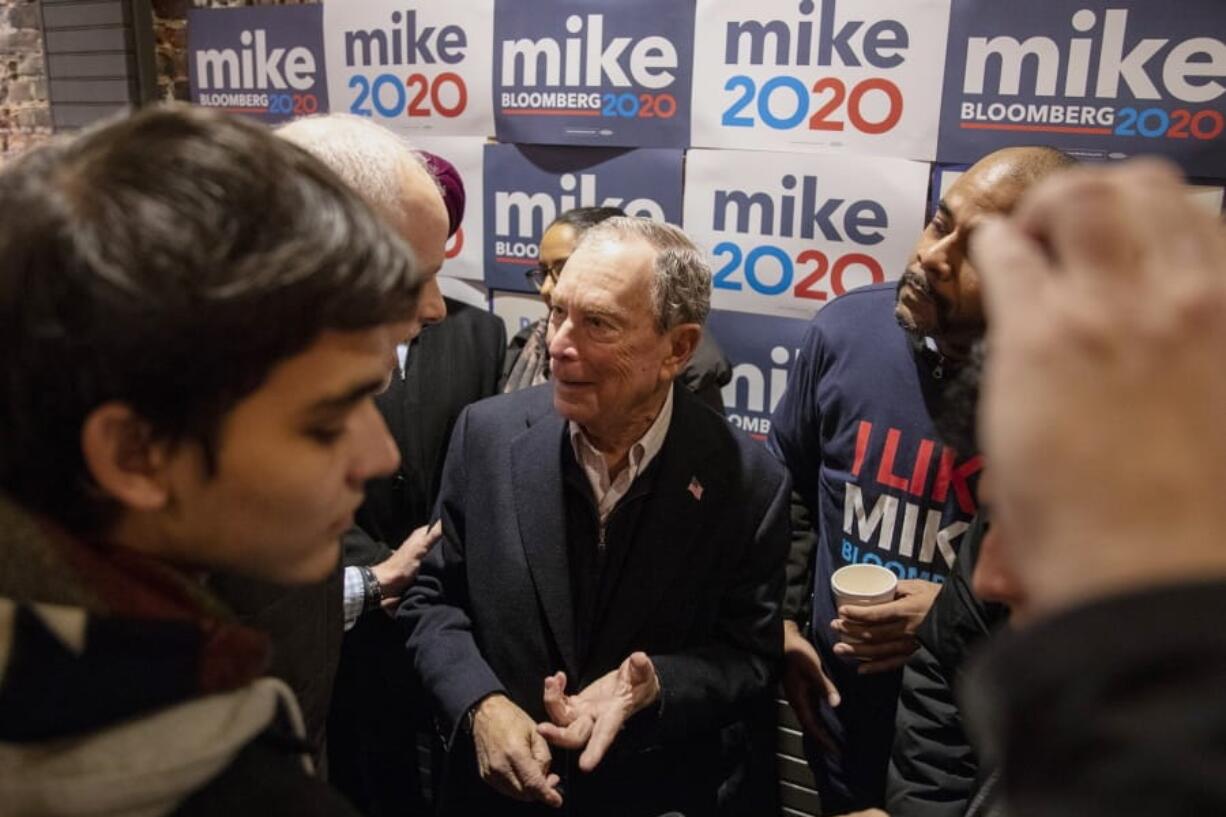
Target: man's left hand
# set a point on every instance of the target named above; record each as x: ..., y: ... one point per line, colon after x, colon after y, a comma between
x: 592, y: 719
x: 883, y: 635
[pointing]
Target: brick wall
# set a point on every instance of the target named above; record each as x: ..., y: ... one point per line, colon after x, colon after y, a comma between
x: 170, y: 28
x: 25, y: 117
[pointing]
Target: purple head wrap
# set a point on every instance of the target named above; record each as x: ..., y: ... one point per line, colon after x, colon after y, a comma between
x: 449, y: 180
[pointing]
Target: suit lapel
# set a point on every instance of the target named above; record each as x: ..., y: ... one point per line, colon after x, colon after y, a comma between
x: 665, y: 540
x: 540, y: 506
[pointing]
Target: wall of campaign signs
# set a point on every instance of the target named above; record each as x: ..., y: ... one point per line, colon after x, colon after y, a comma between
x: 801, y: 142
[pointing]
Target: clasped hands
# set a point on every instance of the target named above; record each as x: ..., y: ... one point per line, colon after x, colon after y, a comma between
x: 513, y: 751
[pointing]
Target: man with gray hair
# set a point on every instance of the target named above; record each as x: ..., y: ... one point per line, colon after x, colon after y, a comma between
x: 607, y: 591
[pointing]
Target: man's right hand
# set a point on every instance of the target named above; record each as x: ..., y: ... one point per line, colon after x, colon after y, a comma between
x: 805, y: 682
x: 512, y: 756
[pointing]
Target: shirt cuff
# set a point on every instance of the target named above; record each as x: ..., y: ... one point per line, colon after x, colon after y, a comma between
x: 354, y: 598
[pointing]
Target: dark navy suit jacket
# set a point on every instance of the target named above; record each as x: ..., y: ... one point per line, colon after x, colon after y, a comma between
x: 700, y: 592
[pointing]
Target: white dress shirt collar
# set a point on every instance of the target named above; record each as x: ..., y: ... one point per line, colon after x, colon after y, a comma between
x: 608, y: 492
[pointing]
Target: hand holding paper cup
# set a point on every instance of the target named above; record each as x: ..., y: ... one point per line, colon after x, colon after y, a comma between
x: 863, y: 585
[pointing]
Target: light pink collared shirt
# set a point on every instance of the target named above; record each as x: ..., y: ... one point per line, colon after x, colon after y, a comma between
x: 608, y: 492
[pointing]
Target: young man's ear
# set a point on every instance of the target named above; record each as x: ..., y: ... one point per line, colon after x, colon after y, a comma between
x: 123, y: 457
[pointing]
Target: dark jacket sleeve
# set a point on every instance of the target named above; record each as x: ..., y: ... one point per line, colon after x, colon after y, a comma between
x: 933, y: 770
x: 798, y: 599
x: 433, y: 613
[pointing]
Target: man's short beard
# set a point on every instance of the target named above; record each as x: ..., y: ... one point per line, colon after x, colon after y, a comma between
x: 919, y: 283
x: 940, y: 307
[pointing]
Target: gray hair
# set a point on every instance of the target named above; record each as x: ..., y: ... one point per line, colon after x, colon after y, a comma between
x: 368, y: 157
x: 681, y: 284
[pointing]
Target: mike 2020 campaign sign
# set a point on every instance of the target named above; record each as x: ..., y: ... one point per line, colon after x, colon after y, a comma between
x: 788, y: 232
x: 413, y: 66
x: 856, y: 75
x: 1100, y: 80
x: 762, y: 351
x: 594, y: 72
x: 528, y: 187
x: 263, y: 62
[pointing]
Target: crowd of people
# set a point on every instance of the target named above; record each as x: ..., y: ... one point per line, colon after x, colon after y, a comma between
x: 271, y: 507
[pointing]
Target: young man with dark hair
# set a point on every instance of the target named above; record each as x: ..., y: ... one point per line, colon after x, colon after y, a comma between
x: 194, y: 317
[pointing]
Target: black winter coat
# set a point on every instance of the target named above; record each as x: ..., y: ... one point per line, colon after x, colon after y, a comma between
x: 934, y: 771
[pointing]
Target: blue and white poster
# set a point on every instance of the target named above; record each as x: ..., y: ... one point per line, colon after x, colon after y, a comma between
x: 262, y: 62
x: 415, y: 67
x: 527, y: 187
x: 1100, y: 80
x: 858, y: 76
x: 789, y: 232
x: 593, y: 72
x: 762, y: 351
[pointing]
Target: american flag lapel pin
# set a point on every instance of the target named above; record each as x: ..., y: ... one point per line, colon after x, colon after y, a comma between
x: 695, y: 488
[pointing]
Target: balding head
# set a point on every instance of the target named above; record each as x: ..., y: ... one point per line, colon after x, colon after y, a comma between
x: 370, y: 158
x: 385, y: 170
x: 938, y: 294
x: 1009, y: 172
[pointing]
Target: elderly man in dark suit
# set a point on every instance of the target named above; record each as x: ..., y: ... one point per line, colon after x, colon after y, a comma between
x: 607, y: 592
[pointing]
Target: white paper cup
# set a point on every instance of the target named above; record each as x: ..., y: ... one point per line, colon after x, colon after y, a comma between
x: 863, y: 584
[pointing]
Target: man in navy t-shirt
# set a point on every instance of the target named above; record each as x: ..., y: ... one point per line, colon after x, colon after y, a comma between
x: 855, y: 429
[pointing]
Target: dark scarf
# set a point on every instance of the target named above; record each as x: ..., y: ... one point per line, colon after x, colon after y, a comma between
x: 95, y: 635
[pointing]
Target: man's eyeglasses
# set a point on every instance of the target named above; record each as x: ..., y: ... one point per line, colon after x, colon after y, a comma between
x: 541, y: 273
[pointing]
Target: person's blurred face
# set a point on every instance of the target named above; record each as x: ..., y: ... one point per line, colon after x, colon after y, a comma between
x: 557, y: 244
x: 938, y: 293
x: 292, y: 460
x: 610, y: 365
x: 995, y: 579
x: 422, y: 223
